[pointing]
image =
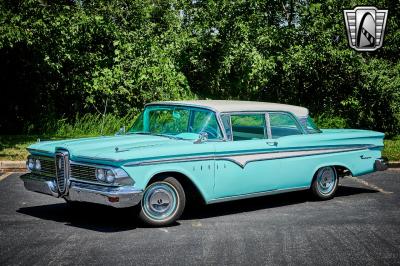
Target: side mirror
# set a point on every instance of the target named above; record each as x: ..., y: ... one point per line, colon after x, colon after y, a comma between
x: 203, y: 136
x: 121, y: 131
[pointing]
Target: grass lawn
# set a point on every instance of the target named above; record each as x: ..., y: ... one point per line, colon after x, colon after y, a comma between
x: 14, y: 147
x: 392, y: 149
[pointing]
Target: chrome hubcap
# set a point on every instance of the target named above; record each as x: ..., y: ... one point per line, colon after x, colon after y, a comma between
x: 326, y: 180
x: 160, y: 201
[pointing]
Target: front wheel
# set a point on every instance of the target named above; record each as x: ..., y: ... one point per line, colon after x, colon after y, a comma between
x: 325, y: 183
x: 163, y: 202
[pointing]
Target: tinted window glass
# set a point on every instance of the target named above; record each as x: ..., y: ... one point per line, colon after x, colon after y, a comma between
x: 172, y: 120
x: 206, y: 122
x: 246, y: 127
x: 226, y: 121
x: 168, y: 121
x: 283, y: 125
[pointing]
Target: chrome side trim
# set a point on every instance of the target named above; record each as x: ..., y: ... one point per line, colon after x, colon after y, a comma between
x: 243, y: 159
x: 256, y: 194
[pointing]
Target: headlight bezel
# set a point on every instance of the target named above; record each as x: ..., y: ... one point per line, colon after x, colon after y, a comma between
x: 30, y: 164
x: 34, y: 163
x: 100, y: 174
x: 114, y: 176
x: 37, y: 165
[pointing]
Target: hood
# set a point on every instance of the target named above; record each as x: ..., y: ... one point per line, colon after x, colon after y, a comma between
x: 115, y: 148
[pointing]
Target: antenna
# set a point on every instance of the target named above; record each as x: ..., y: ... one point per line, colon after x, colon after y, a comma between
x: 104, y: 116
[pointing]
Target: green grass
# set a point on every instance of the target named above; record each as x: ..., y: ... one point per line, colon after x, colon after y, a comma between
x: 14, y: 147
x: 392, y: 149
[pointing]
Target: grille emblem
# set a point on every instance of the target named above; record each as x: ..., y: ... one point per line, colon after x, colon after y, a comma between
x: 62, y: 171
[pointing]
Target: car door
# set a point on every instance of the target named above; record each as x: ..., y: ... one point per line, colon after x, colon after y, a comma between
x: 295, y: 169
x: 241, y: 166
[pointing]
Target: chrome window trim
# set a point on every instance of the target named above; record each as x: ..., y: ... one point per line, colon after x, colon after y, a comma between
x: 268, y: 125
x: 230, y: 125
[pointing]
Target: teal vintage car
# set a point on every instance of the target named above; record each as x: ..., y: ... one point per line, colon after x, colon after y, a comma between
x: 218, y: 150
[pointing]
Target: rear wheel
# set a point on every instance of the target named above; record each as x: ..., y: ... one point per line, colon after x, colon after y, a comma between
x: 163, y: 202
x: 325, y: 183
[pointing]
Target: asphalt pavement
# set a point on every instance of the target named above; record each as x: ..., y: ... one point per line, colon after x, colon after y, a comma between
x: 360, y: 226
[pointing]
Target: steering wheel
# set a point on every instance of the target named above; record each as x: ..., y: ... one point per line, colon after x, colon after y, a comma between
x: 211, y: 132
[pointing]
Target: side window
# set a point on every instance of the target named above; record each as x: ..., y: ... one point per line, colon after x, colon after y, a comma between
x: 248, y: 126
x: 226, y: 121
x: 283, y: 125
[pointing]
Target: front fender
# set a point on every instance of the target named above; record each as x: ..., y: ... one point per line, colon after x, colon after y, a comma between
x: 200, y: 173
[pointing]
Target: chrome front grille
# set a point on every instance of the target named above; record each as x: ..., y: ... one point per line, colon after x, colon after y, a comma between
x: 48, y: 167
x: 62, y: 170
x: 83, y: 172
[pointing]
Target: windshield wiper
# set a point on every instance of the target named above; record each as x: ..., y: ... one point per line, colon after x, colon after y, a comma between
x: 155, y: 134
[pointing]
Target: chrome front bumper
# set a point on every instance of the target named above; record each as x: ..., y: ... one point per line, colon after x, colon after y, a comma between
x: 118, y: 197
x: 381, y: 164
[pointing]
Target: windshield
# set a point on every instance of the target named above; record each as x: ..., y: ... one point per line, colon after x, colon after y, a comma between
x: 309, y: 125
x: 176, y: 121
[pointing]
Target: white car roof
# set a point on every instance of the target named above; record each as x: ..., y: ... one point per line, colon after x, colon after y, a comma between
x: 239, y: 106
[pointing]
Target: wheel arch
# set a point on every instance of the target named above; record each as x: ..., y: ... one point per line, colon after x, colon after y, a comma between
x: 192, y: 190
x: 341, y: 169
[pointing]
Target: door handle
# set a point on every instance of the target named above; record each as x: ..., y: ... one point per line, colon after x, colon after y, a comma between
x: 272, y: 143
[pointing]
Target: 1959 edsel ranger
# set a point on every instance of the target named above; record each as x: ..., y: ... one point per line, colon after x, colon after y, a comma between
x: 220, y: 150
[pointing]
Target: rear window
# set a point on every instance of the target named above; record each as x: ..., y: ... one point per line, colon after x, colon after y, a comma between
x: 283, y: 124
x: 309, y: 125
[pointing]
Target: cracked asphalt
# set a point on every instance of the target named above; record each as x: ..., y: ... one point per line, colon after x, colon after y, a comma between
x: 360, y: 226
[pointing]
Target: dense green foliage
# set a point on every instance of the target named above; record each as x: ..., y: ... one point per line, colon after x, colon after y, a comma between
x: 63, y: 58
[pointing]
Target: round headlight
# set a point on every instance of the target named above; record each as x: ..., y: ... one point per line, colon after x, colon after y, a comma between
x: 31, y: 164
x: 110, y: 176
x: 38, y: 166
x: 100, y: 175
